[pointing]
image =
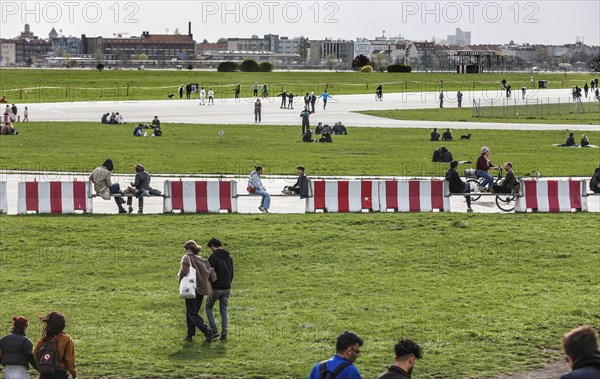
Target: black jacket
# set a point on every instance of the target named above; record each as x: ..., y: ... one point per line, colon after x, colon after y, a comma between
x: 302, y: 185
x: 585, y: 368
x: 17, y: 350
x: 222, y: 262
x: 456, y: 183
x: 595, y: 181
x: 435, y: 136
x: 394, y: 372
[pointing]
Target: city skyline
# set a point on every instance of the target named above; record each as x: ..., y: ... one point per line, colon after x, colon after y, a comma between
x: 489, y: 22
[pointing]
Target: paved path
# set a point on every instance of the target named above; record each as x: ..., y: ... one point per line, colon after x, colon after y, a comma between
x: 246, y: 204
x: 340, y: 108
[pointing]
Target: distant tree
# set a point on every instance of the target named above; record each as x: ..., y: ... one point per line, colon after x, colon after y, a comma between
x: 222, y: 41
x: 100, y: 67
x: 360, y: 61
x: 366, y: 68
x: 142, y: 57
x: 266, y: 66
x: 379, y: 61
x: 249, y: 65
x: 228, y: 67
x: 190, y: 67
x: 594, y: 64
x: 205, y: 41
x: 399, y: 67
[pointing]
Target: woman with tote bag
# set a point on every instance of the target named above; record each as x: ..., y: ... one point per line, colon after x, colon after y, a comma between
x: 204, y: 275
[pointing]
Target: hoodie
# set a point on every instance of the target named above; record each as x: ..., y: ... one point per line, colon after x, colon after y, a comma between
x: 595, y: 181
x: 585, y: 368
x: 222, y: 262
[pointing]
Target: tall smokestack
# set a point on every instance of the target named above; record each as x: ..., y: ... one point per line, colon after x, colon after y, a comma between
x: 190, y: 28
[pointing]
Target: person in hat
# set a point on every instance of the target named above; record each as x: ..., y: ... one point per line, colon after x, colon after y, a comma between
x: 104, y: 187
x: 221, y: 261
x: 482, y: 166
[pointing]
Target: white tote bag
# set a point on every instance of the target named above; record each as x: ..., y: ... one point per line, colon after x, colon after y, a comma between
x: 187, y: 286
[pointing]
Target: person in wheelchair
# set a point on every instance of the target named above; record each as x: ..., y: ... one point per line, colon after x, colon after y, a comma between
x: 509, y: 183
x: 482, y: 167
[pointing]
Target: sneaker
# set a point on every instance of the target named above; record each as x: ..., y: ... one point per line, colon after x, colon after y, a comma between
x: 266, y: 210
x: 140, y: 211
x: 187, y: 339
x: 469, y: 210
x: 208, y: 335
x: 122, y: 210
x: 130, y: 210
x: 262, y: 209
x: 223, y: 337
x: 214, y: 334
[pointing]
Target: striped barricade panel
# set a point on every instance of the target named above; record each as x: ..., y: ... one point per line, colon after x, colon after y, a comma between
x: 3, y: 198
x: 343, y: 196
x: 54, y: 197
x: 552, y: 196
x: 200, y: 196
x: 413, y: 195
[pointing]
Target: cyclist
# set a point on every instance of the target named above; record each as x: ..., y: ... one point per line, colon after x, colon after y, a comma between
x: 482, y: 167
x: 509, y: 182
x: 379, y: 92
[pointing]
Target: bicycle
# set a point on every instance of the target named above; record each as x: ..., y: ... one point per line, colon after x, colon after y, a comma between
x: 504, y: 201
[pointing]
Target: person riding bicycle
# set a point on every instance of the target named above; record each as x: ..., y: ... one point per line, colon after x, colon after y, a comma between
x: 482, y: 167
x: 379, y: 92
x: 509, y: 182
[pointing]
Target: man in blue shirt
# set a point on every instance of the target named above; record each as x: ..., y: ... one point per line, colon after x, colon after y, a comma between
x: 347, y: 347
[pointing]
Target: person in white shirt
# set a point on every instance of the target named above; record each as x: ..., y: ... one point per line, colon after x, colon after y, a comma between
x: 211, y: 95
x: 202, y: 96
x: 120, y: 119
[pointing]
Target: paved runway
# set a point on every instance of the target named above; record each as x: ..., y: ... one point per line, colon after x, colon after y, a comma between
x: 340, y: 108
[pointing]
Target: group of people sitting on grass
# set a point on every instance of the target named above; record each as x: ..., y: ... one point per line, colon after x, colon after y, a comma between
x: 446, y: 136
x: 8, y: 129
x: 325, y: 132
x: 114, y: 118
x: 570, y: 142
x: 139, y: 130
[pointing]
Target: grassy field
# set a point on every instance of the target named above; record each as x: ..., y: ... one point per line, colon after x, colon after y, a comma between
x: 196, y: 149
x: 482, y: 294
x: 521, y: 114
x: 60, y: 85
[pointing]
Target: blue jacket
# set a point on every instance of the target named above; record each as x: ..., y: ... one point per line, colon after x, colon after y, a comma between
x: 325, y: 96
x: 350, y: 372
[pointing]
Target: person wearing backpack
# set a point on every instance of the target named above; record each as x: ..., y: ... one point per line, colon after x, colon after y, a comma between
x: 55, y: 352
x: 340, y: 366
x: 16, y: 350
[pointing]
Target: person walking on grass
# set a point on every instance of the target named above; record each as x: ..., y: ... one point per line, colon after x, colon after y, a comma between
x: 55, y: 340
x: 205, y: 275
x: 257, y: 111
x: 341, y: 365
x: 221, y: 261
x: 255, y: 90
x: 407, y: 352
x: 16, y: 350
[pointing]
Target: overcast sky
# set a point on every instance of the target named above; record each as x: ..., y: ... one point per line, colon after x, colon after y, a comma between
x: 545, y: 22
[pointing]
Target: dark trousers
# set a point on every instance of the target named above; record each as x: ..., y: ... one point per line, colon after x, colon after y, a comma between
x: 305, y: 126
x: 193, y: 319
x: 312, y: 107
x: 116, y: 188
x: 140, y: 202
x: 59, y: 374
x: 468, y: 198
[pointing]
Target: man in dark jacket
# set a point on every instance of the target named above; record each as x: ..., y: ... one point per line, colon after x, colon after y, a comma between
x: 457, y: 185
x: 301, y: 186
x: 141, y: 187
x: 581, y: 348
x: 305, y: 114
x: 595, y: 181
x: 435, y: 136
x: 221, y: 261
x: 407, y: 352
x: 509, y: 182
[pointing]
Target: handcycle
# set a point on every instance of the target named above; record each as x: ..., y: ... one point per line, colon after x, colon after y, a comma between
x: 504, y: 201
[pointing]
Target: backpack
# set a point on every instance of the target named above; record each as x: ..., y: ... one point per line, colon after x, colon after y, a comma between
x: 47, y: 358
x: 326, y: 374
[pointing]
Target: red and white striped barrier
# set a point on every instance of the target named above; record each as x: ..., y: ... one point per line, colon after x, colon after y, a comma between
x: 413, y: 195
x: 54, y: 197
x: 552, y: 196
x: 343, y: 196
x: 200, y: 196
x: 3, y: 198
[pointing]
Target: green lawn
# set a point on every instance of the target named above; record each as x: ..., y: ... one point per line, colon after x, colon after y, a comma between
x: 59, y: 85
x: 196, y: 149
x: 482, y: 294
x: 521, y: 114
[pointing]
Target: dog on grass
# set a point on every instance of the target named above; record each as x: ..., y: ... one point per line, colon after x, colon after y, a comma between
x: 465, y: 136
x: 170, y: 95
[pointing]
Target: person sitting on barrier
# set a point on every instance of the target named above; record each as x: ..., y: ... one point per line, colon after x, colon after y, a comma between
x: 457, y: 185
x: 8, y: 129
x: 301, y: 186
x: 509, y: 182
x: 259, y: 189
x: 447, y: 136
x: 435, y: 136
x: 325, y: 136
x: 481, y: 169
x: 141, y: 188
x: 307, y: 137
x: 584, y: 140
x: 595, y: 181
x: 103, y: 186
x: 570, y: 140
